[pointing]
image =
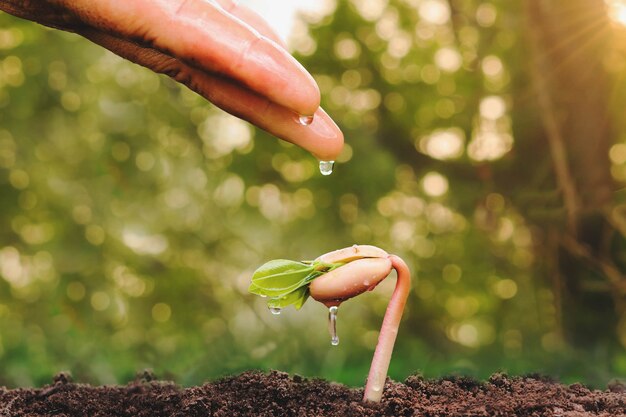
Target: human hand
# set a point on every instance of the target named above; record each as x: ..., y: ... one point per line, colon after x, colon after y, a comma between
x: 223, y: 51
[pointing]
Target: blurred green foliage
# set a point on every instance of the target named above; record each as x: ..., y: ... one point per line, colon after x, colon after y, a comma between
x: 133, y: 213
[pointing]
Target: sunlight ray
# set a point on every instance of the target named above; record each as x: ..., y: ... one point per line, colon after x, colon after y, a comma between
x: 583, y: 47
x: 575, y: 36
x: 562, y: 53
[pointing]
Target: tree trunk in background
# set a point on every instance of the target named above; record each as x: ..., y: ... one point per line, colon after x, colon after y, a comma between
x: 568, y: 40
x: 574, y: 37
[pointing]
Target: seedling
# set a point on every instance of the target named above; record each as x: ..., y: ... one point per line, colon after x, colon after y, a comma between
x: 332, y: 279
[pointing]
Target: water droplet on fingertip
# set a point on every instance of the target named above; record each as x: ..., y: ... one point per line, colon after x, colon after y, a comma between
x: 326, y: 167
x: 274, y: 310
x: 304, y: 120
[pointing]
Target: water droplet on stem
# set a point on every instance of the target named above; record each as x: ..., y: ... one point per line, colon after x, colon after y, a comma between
x: 326, y: 167
x: 332, y: 325
x: 274, y: 310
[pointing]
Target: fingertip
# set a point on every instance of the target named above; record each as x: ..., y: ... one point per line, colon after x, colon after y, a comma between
x: 326, y: 141
x: 322, y: 137
x: 330, y: 150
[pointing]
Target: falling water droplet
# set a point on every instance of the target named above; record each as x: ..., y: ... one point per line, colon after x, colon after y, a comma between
x: 304, y: 120
x: 274, y: 310
x: 332, y: 325
x: 326, y: 167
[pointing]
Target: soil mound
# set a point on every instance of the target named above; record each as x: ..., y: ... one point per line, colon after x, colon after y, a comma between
x: 277, y: 394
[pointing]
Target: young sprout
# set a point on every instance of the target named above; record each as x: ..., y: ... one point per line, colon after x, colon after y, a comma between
x: 333, y: 278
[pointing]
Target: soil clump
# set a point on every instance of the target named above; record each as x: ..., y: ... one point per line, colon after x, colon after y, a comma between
x: 276, y: 394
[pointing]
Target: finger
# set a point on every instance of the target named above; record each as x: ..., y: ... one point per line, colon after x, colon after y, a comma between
x: 251, y: 18
x: 205, y: 36
x: 322, y: 137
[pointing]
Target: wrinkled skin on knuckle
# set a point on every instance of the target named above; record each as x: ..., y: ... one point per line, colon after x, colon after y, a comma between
x: 349, y: 280
x: 164, y: 64
x: 352, y: 253
x: 182, y: 75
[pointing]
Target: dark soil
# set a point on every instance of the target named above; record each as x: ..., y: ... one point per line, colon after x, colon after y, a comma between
x: 278, y: 394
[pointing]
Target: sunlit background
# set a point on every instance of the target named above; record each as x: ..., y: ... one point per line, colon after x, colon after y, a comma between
x: 133, y: 213
x: 617, y: 11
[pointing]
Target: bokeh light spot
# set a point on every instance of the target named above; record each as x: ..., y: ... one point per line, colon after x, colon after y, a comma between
x: 443, y: 144
x: 492, y: 66
x: 347, y: 48
x: 75, y: 291
x: 100, y: 300
x: 161, y: 312
x: 617, y: 153
x: 448, y: 59
x: 505, y: 288
x: 434, y: 11
x: 492, y: 107
x: 19, y: 179
x: 486, y: 14
x: 95, y: 234
x: 452, y: 273
x: 435, y: 184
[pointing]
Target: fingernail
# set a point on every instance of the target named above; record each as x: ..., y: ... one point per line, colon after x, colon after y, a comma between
x: 324, y: 126
x: 322, y: 138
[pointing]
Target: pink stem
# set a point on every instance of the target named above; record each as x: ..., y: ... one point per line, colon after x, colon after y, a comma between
x: 388, y: 332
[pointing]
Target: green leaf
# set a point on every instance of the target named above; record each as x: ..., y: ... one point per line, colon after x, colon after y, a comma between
x: 287, y: 282
x: 279, y: 277
x: 296, y: 298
